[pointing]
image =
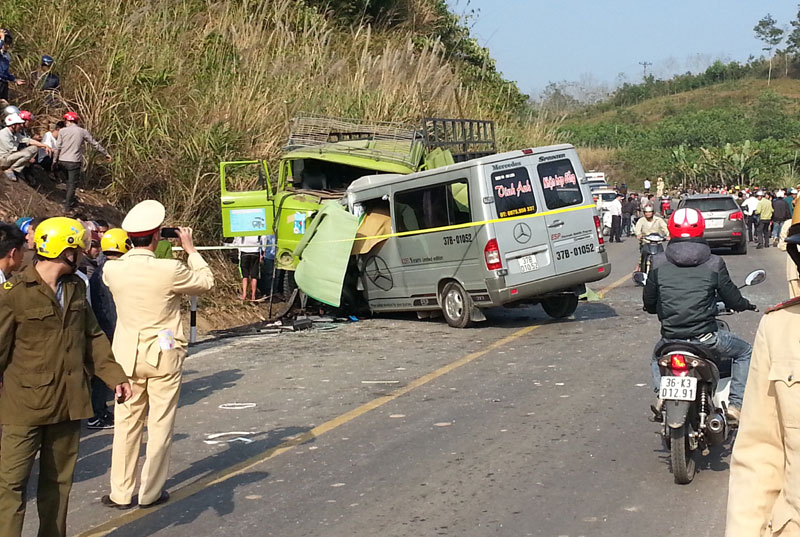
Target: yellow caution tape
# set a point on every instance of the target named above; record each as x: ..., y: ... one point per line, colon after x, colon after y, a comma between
x: 424, y: 231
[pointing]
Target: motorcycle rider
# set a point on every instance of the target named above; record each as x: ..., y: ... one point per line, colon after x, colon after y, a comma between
x: 683, y: 286
x: 648, y: 225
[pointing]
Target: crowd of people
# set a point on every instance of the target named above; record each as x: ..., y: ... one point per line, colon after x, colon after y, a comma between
x: 28, y: 144
x: 52, y: 272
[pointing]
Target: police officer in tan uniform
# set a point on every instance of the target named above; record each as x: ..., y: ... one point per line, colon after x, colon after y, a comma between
x: 150, y: 345
x: 50, y: 345
x: 764, y: 491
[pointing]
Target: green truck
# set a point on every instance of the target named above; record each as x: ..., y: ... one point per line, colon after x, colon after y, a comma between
x: 323, y: 156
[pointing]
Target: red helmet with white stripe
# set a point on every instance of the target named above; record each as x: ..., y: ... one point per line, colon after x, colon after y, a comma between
x: 686, y: 223
x: 71, y: 116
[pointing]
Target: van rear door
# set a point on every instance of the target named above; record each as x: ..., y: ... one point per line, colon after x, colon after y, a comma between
x: 523, y: 242
x: 569, y: 213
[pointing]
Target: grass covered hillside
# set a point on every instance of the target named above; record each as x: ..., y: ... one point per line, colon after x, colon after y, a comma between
x: 740, y: 131
x: 174, y: 87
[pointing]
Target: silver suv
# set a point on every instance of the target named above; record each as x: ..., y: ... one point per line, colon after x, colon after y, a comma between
x: 725, y: 224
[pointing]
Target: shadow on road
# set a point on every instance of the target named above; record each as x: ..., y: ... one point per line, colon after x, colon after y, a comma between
x: 94, y: 457
x: 219, y: 497
x: 199, y: 388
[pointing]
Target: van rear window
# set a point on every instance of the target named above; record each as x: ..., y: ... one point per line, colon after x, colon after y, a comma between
x: 513, y: 193
x: 560, y: 184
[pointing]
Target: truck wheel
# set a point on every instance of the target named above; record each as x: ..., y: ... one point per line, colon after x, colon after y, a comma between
x: 288, y: 285
x: 456, y: 305
x: 560, y: 306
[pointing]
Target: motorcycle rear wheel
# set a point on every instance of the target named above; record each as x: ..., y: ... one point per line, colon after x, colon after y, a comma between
x: 682, y: 456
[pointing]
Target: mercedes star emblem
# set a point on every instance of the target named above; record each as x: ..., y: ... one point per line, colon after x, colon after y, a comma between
x: 378, y: 273
x: 522, y: 233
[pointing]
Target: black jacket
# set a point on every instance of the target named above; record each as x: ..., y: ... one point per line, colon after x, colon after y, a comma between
x: 683, y: 286
x: 103, y: 303
x: 780, y: 210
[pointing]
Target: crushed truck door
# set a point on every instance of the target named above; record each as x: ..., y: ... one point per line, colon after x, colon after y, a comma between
x: 245, y: 212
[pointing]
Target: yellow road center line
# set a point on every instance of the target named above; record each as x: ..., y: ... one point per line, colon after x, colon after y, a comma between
x: 614, y: 285
x: 248, y: 464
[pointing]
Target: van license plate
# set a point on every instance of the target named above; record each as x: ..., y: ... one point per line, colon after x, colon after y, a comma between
x: 528, y: 263
x: 678, y: 388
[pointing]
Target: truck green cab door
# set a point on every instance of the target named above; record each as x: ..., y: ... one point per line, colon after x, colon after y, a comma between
x: 246, y: 198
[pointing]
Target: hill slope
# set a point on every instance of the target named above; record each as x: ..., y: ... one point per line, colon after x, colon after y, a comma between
x: 735, y: 132
x: 173, y: 88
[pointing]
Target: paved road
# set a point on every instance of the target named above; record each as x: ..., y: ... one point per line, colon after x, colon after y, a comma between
x: 399, y: 427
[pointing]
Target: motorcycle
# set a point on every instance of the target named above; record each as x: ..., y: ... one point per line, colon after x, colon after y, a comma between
x: 694, y: 390
x: 653, y: 244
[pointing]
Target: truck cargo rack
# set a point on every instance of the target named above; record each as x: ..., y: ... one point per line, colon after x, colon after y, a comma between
x: 383, y: 140
x: 466, y: 139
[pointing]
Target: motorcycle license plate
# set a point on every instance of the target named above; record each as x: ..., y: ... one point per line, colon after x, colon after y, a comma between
x: 678, y: 388
x: 528, y: 263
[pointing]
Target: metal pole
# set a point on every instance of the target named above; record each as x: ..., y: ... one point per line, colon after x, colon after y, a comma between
x: 193, y: 321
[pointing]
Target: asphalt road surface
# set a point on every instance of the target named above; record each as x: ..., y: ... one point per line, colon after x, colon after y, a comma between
x: 399, y: 427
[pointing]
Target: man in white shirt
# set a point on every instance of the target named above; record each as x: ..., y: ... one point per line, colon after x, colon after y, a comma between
x: 647, y: 186
x: 615, y: 210
x: 748, y: 206
x: 251, y: 254
x: 12, y: 248
x: 50, y: 139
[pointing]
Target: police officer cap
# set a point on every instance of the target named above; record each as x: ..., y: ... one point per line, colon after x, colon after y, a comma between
x: 145, y: 217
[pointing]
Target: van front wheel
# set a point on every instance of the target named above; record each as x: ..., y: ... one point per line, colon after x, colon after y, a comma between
x: 456, y: 305
x: 560, y: 306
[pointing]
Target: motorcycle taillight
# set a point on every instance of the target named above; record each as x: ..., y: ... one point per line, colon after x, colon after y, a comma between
x: 678, y: 365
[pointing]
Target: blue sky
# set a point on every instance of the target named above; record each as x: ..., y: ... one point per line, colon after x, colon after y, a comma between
x: 537, y: 41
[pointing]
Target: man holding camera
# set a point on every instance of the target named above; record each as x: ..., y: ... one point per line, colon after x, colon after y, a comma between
x: 150, y: 345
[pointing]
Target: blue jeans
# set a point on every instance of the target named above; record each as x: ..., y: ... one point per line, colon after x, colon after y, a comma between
x: 776, y: 228
x: 727, y: 347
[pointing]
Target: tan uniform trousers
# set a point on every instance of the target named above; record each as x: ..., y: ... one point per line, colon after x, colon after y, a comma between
x: 155, y: 392
x: 18, y: 160
x: 57, y: 445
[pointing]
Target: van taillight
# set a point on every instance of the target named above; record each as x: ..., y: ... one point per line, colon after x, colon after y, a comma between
x: 599, y: 229
x: 738, y: 215
x: 492, y: 254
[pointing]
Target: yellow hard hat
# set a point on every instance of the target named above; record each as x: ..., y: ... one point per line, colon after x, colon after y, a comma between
x: 55, y: 235
x: 115, y: 240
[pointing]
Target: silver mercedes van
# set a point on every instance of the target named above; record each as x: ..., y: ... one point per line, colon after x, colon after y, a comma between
x: 516, y: 227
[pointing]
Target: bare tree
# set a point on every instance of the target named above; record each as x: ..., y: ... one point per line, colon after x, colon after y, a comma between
x: 767, y: 31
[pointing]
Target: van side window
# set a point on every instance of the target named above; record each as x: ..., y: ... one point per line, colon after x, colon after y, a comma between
x: 513, y: 193
x: 433, y: 206
x: 559, y: 184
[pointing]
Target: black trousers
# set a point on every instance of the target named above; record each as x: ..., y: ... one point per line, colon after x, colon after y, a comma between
x: 616, y: 228
x: 73, y: 171
x: 101, y: 394
x: 626, y: 225
x: 752, y: 226
x: 4, y: 90
x: 763, y: 233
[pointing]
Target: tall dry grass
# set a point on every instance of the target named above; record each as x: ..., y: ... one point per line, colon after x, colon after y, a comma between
x: 172, y: 87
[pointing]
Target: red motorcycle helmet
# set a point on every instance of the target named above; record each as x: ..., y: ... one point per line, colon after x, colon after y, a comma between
x: 25, y: 115
x: 686, y: 223
x: 71, y: 116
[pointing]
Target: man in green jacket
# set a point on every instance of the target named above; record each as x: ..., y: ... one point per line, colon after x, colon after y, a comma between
x: 50, y: 345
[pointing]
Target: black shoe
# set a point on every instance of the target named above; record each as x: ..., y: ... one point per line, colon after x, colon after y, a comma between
x: 99, y: 423
x: 656, y: 409
x: 759, y: 247
x: 108, y: 502
x: 164, y: 498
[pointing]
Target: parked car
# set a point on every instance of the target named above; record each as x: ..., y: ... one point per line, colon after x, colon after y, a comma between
x: 725, y: 224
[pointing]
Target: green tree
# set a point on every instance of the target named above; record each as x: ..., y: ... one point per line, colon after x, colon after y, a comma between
x: 793, y: 39
x: 767, y: 31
